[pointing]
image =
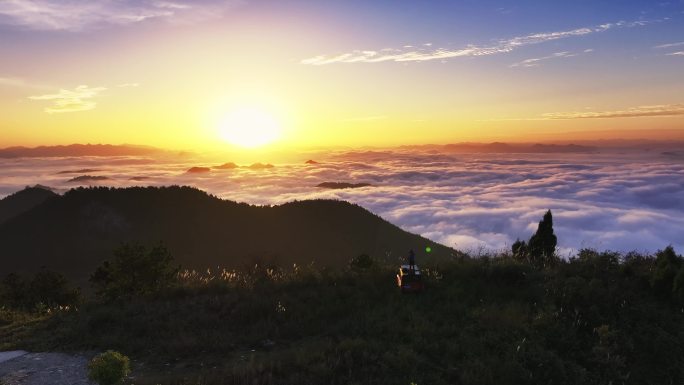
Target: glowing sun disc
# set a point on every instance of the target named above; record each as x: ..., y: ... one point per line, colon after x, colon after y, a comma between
x: 249, y: 127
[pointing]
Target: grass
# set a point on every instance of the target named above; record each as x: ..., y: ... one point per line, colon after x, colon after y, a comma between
x: 480, y: 321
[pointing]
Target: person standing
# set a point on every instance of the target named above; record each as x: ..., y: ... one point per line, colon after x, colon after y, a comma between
x: 412, y: 260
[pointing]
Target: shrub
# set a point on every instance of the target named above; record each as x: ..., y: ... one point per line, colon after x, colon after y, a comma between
x: 362, y: 262
x: 52, y: 289
x: 109, y: 368
x: 46, y: 290
x: 667, y: 266
x: 135, y: 271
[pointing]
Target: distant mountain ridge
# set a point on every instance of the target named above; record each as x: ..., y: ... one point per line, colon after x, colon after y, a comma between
x: 78, y: 150
x: 75, y: 232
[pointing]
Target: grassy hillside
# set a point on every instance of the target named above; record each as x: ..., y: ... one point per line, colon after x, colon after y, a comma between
x: 74, y: 233
x: 600, y: 318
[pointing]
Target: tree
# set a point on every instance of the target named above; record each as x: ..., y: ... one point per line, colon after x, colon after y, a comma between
x: 52, y: 289
x: 134, y: 271
x: 13, y: 291
x: 47, y: 289
x: 678, y: 286
x: 667, y: 266
x: 519, y: 250
x: 542, y: 245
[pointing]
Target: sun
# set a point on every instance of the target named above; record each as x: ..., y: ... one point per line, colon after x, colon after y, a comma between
x: 249, y: 127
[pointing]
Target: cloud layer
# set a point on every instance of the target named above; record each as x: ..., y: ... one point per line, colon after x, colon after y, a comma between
x: 78, y: 15
x: 606, y: 200
x: 78, y: 99
x: 411, y: 54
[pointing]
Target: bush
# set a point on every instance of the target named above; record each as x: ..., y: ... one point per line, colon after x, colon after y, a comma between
x: 135, y: 271
x: 362, y: 262
x: 46, y: 290
x: 52, y: 289
x: 667, y: 266
x: 109, y: 368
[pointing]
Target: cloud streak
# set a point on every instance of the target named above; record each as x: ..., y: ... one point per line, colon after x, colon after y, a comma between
x: 636, y: 112
x: 78, y: 99
x: 663, y: 110
x: 536, y: 62
x: 77, y: 15
x: 12, y: 82
x: 670, y: 45
x: 502, y: 46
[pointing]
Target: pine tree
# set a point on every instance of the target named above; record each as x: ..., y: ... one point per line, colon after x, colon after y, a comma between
x: 542, y: 245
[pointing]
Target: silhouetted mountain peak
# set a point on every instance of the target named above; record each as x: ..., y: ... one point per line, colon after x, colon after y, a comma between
x: 24, y: 200
x: 75, y: 232
x: 79, y: 150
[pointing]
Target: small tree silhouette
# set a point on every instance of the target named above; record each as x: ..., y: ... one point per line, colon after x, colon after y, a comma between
x: 540, y: 250
x: 667, y: 266
x: 134, y: 271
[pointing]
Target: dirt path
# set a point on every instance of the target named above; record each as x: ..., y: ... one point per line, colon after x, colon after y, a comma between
x: 22, y: 368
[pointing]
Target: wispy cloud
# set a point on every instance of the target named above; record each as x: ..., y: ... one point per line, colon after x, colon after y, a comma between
x: 535, y: 62
x: 365, y: 118
x: 500, y: 46
x: 633, y: 112
x: 13, y: 82
x: 670, y: 45
x: 128, y: 85
x: 78, y: 99
x: 77, y: 15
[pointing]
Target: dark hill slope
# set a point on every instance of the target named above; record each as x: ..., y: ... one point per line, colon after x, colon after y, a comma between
x: 22, y: 201
x: 76, y: 232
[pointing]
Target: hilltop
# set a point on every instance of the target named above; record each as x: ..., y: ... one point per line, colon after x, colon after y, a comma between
x: 75, y: 232
x: 23, y: 200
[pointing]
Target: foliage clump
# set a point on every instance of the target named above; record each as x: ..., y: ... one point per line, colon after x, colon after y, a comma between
x: 361, y: 262
x: 668, y: 264
x: 46, y: 290
x: 109, y: 368
x: 134, y: 271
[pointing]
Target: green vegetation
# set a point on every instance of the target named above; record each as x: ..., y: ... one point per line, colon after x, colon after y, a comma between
x: 599, y: 318
x: 109, y: 368
x: 134, y: 271
x: 47, y: 290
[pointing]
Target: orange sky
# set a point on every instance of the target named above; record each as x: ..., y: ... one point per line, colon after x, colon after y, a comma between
x: 332, y: 75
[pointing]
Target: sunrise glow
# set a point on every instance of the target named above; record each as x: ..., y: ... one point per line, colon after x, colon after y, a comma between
x: 249, y: 127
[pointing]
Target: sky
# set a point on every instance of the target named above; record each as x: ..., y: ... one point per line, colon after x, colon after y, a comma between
x: 213, y: 74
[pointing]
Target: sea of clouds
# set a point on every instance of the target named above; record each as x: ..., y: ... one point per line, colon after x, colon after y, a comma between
x: 607, y: 200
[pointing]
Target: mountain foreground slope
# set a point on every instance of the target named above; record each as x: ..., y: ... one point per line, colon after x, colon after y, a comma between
x: 75, y: 232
